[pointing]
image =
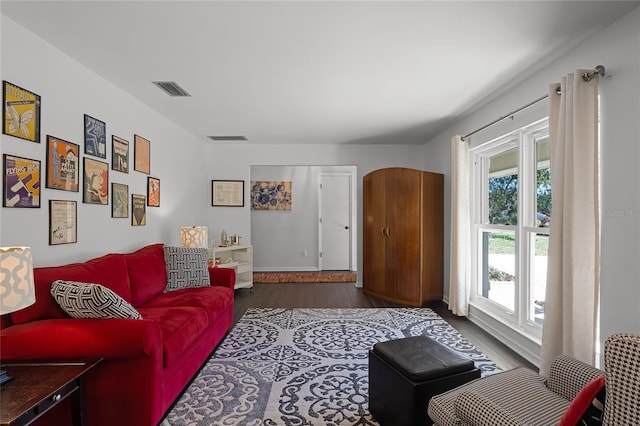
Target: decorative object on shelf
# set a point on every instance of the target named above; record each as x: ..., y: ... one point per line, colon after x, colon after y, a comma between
x: 235, y: 239
x: 194, y: 236
x: 138, y: 210
x: 63, y: 222
x: 119, y: 200
x: 95, y: 182
x: 95, y: 137
x: 63, y: 165
x: 227, y: 193
x: 21, y: 182
x: 224, y: 240
x: 17, y: 290
x: 21, y: 112
x: 153, y: 192
x: 119, y: 154
x: 270, y: 195
x: 141, y: 154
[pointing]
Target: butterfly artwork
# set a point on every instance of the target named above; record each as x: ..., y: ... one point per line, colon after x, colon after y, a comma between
x: 21, y: 111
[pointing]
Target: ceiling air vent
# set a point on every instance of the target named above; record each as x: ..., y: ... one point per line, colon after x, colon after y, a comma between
x: 171, y: 88
x: 228, y: 138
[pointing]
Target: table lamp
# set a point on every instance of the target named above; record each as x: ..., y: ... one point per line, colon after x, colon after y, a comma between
x: 194, y: 237
x: 17, y: 289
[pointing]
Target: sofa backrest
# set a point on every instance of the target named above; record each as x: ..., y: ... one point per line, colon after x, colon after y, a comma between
x: 147, y: 273
x: 109, y: 270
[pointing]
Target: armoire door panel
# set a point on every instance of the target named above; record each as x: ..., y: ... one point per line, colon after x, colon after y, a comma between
x: 374, y: 237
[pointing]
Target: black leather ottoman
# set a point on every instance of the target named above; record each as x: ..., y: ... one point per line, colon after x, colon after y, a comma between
x: 405, y: 373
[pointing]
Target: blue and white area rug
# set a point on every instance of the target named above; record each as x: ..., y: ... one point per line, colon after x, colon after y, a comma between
x: 303, y: 366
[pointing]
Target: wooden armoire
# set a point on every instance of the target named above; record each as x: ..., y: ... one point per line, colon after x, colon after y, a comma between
x: 403, y: 235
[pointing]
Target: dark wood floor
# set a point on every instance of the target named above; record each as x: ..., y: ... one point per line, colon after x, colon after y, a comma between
x: 346, y: 295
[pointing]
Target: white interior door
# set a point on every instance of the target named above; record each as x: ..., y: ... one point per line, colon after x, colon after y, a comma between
x: 335, y: 222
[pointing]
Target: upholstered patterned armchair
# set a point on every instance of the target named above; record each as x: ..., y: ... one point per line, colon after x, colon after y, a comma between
x: 521, y: 397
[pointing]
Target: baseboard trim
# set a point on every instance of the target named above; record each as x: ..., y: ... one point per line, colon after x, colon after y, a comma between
x: 288, y: 269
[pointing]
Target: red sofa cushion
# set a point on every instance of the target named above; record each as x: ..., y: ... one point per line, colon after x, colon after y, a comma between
x: 213, y: 299
x: 109, y: 270
x: 147, y: 272
x: 180, y: 327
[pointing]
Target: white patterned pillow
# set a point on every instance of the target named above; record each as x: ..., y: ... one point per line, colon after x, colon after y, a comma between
x: 84, y: 300
x: 186, y: 267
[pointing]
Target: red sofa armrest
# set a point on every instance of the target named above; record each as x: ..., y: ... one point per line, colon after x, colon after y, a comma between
x: 79, y: 338
x: 224, y: 277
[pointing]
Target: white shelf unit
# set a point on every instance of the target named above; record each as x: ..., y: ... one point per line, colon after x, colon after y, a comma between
x: 240, y: 258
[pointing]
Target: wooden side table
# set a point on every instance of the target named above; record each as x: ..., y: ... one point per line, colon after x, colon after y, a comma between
x: 39, y: 386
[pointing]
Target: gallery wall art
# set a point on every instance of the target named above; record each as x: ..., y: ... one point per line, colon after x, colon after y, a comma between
x: 21, y: 182
x: 63, y: 218
x: 138, y: 210
x: 141, y: 154
x: 62, y: 164
x: 119, y: 154
x: 270, y: 195
x: 95, y: 137
x: 96, y: 182
x: 21, y: 112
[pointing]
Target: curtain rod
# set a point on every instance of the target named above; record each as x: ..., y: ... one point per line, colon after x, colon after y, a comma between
x: 586, y: 76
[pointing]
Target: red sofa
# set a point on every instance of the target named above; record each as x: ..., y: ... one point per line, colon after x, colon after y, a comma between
x: 148, y: 362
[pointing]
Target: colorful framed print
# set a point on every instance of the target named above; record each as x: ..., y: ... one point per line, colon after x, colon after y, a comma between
x: 153, y: 192
x: 95, y: 182
x: 119, y: 200
x: 63, y: 165
x: 21, y: 182
x: 271, y: 195
x: 119, y: 154
x: 95, y: 137
x: 138, y: 210
x: 141, y: 154
x: 63, y: 222
x: 21, y: 112
x: 227, y: 193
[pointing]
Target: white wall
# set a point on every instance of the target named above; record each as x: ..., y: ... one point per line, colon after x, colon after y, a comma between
x: 617, y: 47
x: 68, y: 91
x: 234, y: 161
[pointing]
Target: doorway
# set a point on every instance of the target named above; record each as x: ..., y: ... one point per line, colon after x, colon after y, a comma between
x: 336, y: 228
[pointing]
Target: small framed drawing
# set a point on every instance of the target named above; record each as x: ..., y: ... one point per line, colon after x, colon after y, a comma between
x: 21, y: 112
x: 21, y: 182
x: 63, y: 166
x: 153, y: 192
x: 95, y: 137
x: 119, y: 154
x: 95, y: 182
x: 119, y: 200
x: 138, y: 210
x: 227, y: 193
x: 141, y: 154
x: 63, y: 222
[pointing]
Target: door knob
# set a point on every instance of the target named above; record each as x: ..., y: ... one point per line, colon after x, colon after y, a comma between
x: 346, y: 227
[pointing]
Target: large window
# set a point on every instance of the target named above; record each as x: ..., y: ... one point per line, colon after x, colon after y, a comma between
x: 510, y: 232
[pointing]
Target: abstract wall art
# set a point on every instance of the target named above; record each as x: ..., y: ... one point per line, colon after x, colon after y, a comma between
x: 270, y: 195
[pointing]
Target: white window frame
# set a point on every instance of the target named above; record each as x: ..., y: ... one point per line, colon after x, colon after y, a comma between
x: 525, y: 140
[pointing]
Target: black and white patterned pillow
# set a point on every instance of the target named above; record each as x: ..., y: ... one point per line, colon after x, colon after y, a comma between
x: 85, y: 300
x: 186, y: 267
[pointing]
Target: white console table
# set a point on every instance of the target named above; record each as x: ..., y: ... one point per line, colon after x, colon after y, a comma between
x: 238, y: 257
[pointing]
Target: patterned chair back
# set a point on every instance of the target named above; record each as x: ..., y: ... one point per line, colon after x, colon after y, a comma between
x: 622, y: 366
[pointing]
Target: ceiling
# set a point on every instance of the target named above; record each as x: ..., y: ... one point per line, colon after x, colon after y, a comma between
x: 327, y: 72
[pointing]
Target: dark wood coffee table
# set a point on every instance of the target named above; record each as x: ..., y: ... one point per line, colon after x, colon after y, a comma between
x: 39, y: 386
